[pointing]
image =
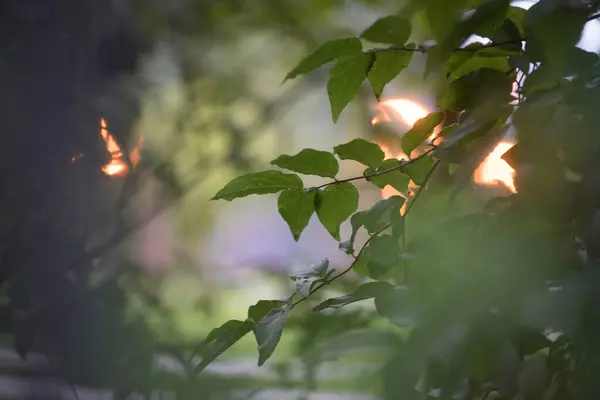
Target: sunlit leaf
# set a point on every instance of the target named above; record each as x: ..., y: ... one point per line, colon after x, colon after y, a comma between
x: 345, y: 79
x: 421, y: 130
x: 388, y: 173
x: 363, y: 151
x: 388, y: 64
x: 309, y: 162
x: 268, y: 332
x: 220, y: 339
x: 327, y: 52
x: 363, y: 292
x: 258, y: 183
x: 335, y: 204
x: 392, y: 29
x: 296, y: 206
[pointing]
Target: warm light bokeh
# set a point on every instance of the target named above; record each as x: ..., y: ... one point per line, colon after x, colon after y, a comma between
x: 493, y: 171
x: 117, y: 165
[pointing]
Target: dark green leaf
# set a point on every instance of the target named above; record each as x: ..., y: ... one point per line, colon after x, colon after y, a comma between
x: 268, y: 332
x: 547, y: 43
x: 475, y: 63
x: 363, y: 292
x: 398, y: 305
x: 356, y: 222
x: 419, y: 169
x: 391, y: 29
x: 384, y: 250
x: 387, y: 66
x: 327, y: 52
x: 335, y: 204
x: 483, y: 86
x: 394, y: 177
x: 310, y: 162
x: 220, y: 339
x: 442, y: 15
x: 380, y: 215
x: 262, y: 308
x: 296, y: 206
x: 517, y: 16
x: 258, y: 183
x: 345, y: 79
x: 422, y: 129
x: 363, y: 151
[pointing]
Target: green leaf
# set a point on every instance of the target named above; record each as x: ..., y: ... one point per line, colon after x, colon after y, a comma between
x: 258, y: 183
x: 327, y: 52
x: 517, y: 16
x: 421, y: 130
x: 475, y: 63
x: 361, y: 150
x: 547, y: 43
x: 442, y: 15
x: 381, y: 214
x: 356, y: 221
x: 363, y: 292
x: 309, y: 162
x: 296, y: 206
x: 257, y: 311
x: 335, y: 204
x: 391, y: 29
x: 268, y: 332
x: 395, y: 177
x: 419, y: 169
x: 345, y: 79
x: 398, y: 305
x: 388, y: 64
x: 383, y: 254
x: 220, y: 339
x: 484, y: 85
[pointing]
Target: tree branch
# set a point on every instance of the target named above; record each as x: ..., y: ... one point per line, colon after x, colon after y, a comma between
x: 376, y: 173
x: 425, y: 49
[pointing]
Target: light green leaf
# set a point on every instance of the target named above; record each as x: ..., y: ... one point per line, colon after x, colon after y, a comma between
x: 219, y: 340
x: 315, y: 271
x: 327, y: 52
x: 380, y: 215
x: 335, y: 204
x: 442, y: 15
x: 345, y: 79
x: 258, y: 183
x: 422, y: 129
x: 387, y: 66
x: 310, y: 162
x: 394, y: 178
x: 365, y: 291
x: 268, y: 332
x: 257, y: 311
x: 391, y: 29
x: 296, y: 206
x: 419, y: 169
x: 361, y: 150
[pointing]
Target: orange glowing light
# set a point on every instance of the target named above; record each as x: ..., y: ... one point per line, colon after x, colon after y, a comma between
x: 117, y: 165
x: 491, y: 172
x: 495, y: 170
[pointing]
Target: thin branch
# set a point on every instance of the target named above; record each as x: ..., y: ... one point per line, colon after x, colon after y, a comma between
x: 425, y: 49
x: 376, y: 173
x: 593, y: 17
x: 364, y: 246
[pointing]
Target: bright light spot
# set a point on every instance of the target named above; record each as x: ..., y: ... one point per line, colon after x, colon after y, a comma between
x: 494, y: 170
